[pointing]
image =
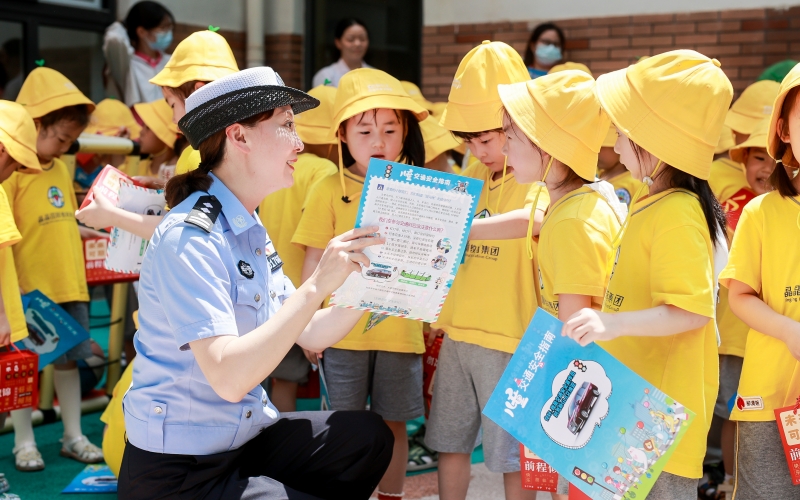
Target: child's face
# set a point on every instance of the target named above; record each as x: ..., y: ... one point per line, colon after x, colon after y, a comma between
x: 149, y: 143
x: 522, y: 156
x: 8, y: 165
x: 274, y: 146
x: 373, y: 134
x: 607, y: 158
x: 627, y: 156
x: 56, y: 139
x: 488, y: 148
x: 758, y: 167
x: 176, y: 102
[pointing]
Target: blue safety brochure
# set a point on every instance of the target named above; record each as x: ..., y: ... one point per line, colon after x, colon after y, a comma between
x: 51, y: 330
x: 591, y: 418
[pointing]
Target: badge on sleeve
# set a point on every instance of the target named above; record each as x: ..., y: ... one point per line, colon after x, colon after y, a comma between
x: 273, y: 259
x: 246, y: 270
x: 204, y: 213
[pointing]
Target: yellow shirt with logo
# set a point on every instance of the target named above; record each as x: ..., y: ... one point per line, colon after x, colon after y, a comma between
x: 625, y: 186
x: 574, y: 245
x: 187, y: 161
x: 762, y: 257
x: 50, y: 256
x: 9, y: 286
x: 326, y: 216
x: 666, y: 257
x: 280, y: 212
x: 494, y: 294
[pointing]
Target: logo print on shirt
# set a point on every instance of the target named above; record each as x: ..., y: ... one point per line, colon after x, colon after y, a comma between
x: 55, y: 197
x: 239, y: 221
x: 246, y: 270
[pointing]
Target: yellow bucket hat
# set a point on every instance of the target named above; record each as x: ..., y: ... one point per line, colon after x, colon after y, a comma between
x: 672, y: 104
x: 752, y: 106
x: 46, y: 90
x: 18, y: 135
x: 203, y: 56
x: 416, y: 94
x: 157, y: 115
x: 611, y: 137
x: 560, y: 113
x: 474, y: 104
x: 570, y: 65
x: 109, y: 116
x: 790, y: 81
x: 726, y: 140
x: 757, y: 139
x: 437, y: 138
x: 314, y: 125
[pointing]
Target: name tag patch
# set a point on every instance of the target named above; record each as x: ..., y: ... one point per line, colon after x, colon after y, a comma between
x: 744, y: 403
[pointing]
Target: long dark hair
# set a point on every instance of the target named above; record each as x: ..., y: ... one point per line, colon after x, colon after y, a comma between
x: 146, y: 14
x: 212, y: 152
x: 413, y: 151
x: 536, y: 34
x: 341, y: 27
x: 780, y: 177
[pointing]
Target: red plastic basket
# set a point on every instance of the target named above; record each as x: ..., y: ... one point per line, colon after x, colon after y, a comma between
x: 19, y: 383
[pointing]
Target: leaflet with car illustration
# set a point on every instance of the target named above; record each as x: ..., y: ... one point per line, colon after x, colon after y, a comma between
x: 591, y: 418
x: 425, y: 216
x: 51, y: 330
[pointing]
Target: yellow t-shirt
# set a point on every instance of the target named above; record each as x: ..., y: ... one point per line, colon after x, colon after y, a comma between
x: 50, y: 256
x: 625, y: 186
x: 727, y: 177
x: 574, y: 245
x: 494, y: 294
x: 762, y: 257
x: 187, y: 161
x: 114, y: 418
x: 666, y: 257
x: 9, y: 286
x: 326, y: 216
x: 280, y: 212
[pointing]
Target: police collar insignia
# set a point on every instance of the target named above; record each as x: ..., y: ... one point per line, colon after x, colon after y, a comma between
x: 246, y: 270
x: 239, y: 221
x: 204, y: 213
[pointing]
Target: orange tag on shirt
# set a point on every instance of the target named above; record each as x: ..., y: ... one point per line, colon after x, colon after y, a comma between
x: 734, y: 205
x: 788, y: 421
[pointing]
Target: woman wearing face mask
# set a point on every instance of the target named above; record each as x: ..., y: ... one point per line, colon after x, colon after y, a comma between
x: 134, y: 52
x: 352, y: 41
x: 544, y: 50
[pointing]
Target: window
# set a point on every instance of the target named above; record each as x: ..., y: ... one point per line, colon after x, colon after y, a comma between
x: 11, y: 72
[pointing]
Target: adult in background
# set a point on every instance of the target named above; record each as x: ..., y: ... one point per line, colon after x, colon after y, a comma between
x: 134, y: 51
x: 352, y: 41
x: 545, y: 49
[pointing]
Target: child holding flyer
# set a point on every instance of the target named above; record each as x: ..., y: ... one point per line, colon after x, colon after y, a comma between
x: 43, y: 207
x: 660, y: 302
x: 761, y: 280
x: 373, y: 117
x: 494, y: 295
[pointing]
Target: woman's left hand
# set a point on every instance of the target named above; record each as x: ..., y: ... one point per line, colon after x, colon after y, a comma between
x: 589, y: 325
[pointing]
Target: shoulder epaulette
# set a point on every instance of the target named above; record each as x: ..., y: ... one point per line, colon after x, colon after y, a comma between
x: 204, y: 213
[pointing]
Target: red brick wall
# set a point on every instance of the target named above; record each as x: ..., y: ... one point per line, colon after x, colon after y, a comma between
x: 744, y: 41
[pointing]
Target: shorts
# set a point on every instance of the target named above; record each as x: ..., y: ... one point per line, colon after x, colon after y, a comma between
x: 80, y: 313
x: 466, y: 375
x: 391, y: 380
x: 671, y: 487
x: 730, y: 370
x: 293, y: 367
x: 761, y: 472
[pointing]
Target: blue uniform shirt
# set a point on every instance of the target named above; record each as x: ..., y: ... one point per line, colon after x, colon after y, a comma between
x: 194, y: 285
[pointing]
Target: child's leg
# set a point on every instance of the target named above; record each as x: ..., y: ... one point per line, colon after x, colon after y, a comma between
x: 454, y: 473
x: 26, y: 455
x: 512, y: 483
x: 394, y: 478
x: 760, y: 469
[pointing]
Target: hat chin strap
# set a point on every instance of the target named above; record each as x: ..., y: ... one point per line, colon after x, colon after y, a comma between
x: 542, y: 185
x: 345, y: 198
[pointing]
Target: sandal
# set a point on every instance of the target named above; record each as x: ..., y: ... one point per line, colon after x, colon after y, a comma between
x: 420, y: 457
x: 4, y: 486
x: 27, y: 458
x: 82, y: 450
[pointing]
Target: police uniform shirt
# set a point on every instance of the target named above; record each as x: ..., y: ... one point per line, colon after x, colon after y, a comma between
x: 210, y: 270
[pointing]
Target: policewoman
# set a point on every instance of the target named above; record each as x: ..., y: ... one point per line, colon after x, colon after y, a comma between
x: 217, y: 315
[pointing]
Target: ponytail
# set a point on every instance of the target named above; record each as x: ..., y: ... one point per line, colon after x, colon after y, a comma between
x: 182, y: 186
x: 712, y: 210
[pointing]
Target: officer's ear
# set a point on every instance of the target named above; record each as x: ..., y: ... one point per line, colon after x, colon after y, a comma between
x: 236, y: 137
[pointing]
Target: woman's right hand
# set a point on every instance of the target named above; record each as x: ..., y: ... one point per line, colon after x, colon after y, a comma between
x: 342, y: 257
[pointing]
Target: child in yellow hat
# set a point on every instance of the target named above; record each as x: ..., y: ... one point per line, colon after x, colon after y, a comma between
x: 281, y: 211
x: 761, y: 281
x: 157, y: 139
x: 754, y: 105
x: 373, y: 117
x: 43, y: 207
x: 611, y: 170
x: 495, y: 293
x: 659, y: 309
x: 439, y: 142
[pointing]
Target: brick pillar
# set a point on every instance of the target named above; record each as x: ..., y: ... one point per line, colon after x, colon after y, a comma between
x: 284, y: 53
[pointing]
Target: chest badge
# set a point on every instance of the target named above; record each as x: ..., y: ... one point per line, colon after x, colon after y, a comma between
x: 246, y: 270
x: 55, y: 197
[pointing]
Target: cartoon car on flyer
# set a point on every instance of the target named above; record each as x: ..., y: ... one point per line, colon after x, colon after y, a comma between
x: 379, y: 273
x: 581, y: 406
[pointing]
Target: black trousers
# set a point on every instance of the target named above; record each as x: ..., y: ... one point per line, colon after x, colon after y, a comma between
x: 305, y: 455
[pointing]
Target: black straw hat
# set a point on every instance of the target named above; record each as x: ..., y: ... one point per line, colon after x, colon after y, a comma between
x: 237, y: 97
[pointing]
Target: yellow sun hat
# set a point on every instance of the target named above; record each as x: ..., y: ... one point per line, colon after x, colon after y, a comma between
x: 18, y: 135
x: 157, y: 115
x: 611, y: 137
x: 314, y: 126
x: 474, y: 104
x: 203, y: 56
x: 561, y: 114
x: 672, y: 105
x: 790, y: 81
x: 752, y: 106
x: 437, y: 138
x: 757, y: 139
x: 46, y: 90
x: 416, y: 94
x: 109, y: 116
x: 570, y: 65
x: 726, y: 140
